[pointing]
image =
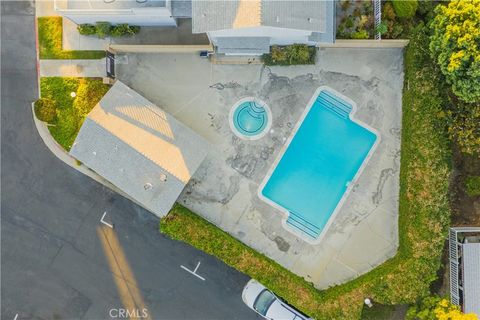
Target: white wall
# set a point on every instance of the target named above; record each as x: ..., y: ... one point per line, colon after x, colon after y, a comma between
x: 135, y: 16
x: 278, y: 36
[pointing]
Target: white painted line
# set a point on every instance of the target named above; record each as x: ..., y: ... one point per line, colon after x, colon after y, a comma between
x: 196, y: 268
x: 16, y: 316
x: 104, y: 222
x: 194, y: 272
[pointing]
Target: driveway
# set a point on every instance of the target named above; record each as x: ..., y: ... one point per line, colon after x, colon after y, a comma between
x: 58, y: 260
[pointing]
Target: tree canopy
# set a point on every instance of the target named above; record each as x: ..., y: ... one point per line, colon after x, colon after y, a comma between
x: 454, y: 45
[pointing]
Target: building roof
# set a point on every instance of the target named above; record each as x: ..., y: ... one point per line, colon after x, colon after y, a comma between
x: 243, y: 45
x: 181, y: 8
x: 110, y: 5
x: 139, y: 148
x: 234, y: 14
x: 471, y: 278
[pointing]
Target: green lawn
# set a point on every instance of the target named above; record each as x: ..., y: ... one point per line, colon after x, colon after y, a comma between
x: 424, y: 213
x: 50, y: 42
x: 377, y: 312
x: 71, y: 112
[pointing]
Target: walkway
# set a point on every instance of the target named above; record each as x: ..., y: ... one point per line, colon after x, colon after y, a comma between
x: 73, y: 68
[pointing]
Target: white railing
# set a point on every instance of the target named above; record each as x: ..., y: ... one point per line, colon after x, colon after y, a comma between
x: 453, y: 248
x: 377, y: 11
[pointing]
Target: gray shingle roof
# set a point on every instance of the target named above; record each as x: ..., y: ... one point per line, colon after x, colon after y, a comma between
x: 139, y: 148
x: 212, y: 15
x: 471, y: 276
x: 243, y: 45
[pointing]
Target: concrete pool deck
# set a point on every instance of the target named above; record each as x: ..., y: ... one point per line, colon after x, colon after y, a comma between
x: 224, y: 189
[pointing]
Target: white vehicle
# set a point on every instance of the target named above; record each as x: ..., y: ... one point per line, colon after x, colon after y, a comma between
x: 268, y: 305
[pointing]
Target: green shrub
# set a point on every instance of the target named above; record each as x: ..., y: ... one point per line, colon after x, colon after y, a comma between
x: 381, y: 28
x: 357, y: 12
x: 472, y: 186
x: 436, y: 308
x: 290, y: 55
x: 345, y: 4
x: 124, y: 30
x: 426, y: 9
x: 454, y: 45
x: 367, y: 7
x: 45, y: 109
x: 464, y: 127
x: 103, y: 29
x: 405, y: 8
x: 349, y: 22
x: 361, y: 34
x: 86, y: 29
x: 388, y: 12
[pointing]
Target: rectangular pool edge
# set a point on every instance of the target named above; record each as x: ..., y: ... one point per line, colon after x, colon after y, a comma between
x: 285, y: 212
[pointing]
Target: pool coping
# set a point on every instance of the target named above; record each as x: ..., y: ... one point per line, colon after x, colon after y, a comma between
x: 265, y: 130
x: 284, y: 148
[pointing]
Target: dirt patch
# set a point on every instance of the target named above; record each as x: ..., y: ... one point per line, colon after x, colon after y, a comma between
x: 465, y: 209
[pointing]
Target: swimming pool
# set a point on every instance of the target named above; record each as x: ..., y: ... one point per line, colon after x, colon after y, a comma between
x: 250, y: 118
x: 324, y: 155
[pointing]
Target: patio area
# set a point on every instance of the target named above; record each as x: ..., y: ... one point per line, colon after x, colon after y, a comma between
x: 224, y: 189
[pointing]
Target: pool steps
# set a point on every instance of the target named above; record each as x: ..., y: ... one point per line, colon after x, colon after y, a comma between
x: 334, y: 104
x: 299, y: 223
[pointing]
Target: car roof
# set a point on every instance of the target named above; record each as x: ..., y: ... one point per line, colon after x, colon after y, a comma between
x: 279, y: 311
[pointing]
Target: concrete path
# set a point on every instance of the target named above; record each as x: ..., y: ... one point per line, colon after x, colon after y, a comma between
x: 73, y: 68
x: 54, y: 259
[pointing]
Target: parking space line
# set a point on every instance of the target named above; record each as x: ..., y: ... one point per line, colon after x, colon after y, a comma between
x: 104, y: 222
x: 194, y: 272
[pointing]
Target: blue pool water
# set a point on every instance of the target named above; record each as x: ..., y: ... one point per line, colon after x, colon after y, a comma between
x: 322, y: 158
x: 250, y: 118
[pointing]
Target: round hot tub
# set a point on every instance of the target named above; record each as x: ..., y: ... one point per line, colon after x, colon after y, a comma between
x: 250, y: 118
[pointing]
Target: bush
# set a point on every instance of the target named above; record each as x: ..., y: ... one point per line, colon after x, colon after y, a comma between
x: 290, y: 55
x: 472, y: 186
x: 86, y: 29
x: 405, y: 8
x: 454, y: 45
x: 103, y: 29
x: 361, y: 34
x: 388, y: 12
x: 349, y: 22
x: 464, y: 127
x: 345, y: 4
x: 381, y: 28
x: 124, y: 30
x: 435, y: 308
x: 45, y: 109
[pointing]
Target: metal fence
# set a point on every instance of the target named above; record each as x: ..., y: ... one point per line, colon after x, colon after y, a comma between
x: 377, y: 10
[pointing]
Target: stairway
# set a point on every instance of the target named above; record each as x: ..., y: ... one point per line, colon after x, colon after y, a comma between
x: 334, y: 104
x: 296, y: 221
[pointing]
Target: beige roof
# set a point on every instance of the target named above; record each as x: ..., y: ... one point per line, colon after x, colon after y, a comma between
x: 139, y: 148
